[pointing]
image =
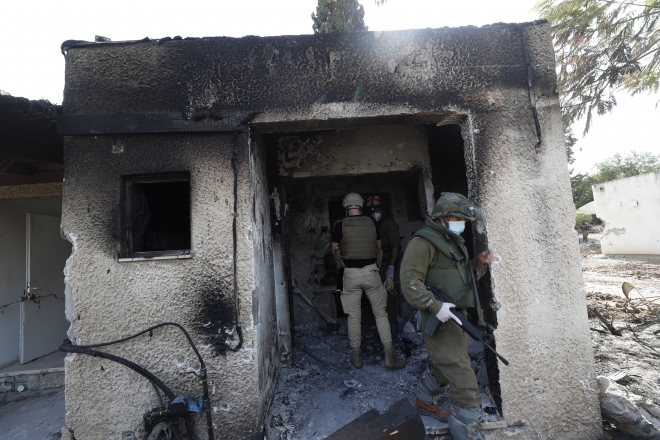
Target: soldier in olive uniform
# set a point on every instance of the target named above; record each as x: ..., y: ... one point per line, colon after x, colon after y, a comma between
x: 391, y: 247
x: 360, y: 242
x: 436, y: 255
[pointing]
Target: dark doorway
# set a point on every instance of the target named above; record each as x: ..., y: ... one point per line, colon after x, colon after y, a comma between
x: 313, y: 206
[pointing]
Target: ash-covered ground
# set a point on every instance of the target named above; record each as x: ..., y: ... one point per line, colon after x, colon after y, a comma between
x: 323, y: 392
x: 635, y: 354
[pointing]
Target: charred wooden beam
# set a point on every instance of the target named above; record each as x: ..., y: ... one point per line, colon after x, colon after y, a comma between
x: 20, y: 168
x: 128, y: 123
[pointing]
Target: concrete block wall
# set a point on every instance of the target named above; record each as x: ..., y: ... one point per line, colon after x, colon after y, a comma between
x: 32, y: 380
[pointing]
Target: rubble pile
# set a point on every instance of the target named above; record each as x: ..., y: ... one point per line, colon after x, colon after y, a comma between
x: 625, y: 329
x: 322, y: 392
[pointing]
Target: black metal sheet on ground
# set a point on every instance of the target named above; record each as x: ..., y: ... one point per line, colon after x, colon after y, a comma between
x: 399, y: 422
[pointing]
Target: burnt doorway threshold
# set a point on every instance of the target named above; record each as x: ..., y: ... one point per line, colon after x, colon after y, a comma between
x: 322, y: 392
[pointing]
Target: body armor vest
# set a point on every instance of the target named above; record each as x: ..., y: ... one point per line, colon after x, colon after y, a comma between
x: 358, y: 238
x: 452, y: 268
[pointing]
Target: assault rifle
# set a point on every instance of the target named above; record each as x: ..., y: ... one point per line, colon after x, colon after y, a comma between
x: 432, y: 322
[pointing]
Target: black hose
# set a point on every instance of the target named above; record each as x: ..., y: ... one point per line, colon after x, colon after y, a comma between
x: 133, y: 366
x: 138, y: 369
x: 84, y: 349
x: 179, y: 326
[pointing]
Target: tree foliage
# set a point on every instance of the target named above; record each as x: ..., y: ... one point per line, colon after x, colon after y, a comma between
x: 613, y: 168
x: 338, y: 16
x: 603, y: 46
x: 581, y: 186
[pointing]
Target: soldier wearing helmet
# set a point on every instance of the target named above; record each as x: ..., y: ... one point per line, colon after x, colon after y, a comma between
x: 436, y: 255
x: 360, y: 242
x: 391, y: 247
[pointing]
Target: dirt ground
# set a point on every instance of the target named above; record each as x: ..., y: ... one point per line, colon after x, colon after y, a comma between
x: 636, y: 352
x: 32, y: 415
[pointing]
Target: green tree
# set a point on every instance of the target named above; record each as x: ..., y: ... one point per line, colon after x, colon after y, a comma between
x: 338, y: 16
x: 569, y: 143
x: 603, y: 46
x: 633, y: 164
x: 613, y: 168
x: 581, y: 186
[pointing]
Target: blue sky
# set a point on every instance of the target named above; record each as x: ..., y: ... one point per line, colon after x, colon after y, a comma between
x: 33, y: 30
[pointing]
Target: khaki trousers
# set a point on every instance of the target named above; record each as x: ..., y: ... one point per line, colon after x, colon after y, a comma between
x: 447, y: 350
x: 355, y: 281
x: 392, y: 298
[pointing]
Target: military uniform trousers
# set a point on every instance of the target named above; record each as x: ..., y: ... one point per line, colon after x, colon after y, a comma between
x: 392, y: 297
x: 355, y: 281
x: 447, y: 349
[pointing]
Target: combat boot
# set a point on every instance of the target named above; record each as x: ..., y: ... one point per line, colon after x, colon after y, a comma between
x: 356, y: 357
x: 391, y: 361
x: 464, y: 423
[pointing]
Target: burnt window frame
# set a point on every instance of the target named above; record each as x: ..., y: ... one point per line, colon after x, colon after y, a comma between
x: 127, y: 253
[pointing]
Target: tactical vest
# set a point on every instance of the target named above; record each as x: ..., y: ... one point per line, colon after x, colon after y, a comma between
x: 452, y: 269
x: 358, y: 238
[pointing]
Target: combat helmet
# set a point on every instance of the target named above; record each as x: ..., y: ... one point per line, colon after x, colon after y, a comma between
x: 454, y: 204
x: 353, y: 201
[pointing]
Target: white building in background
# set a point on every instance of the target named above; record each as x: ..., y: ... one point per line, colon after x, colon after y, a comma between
x: 630, y: 208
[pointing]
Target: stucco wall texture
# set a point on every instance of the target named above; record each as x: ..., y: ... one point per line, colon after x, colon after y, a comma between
x: 112, y: 299
x: 630, y: 208
x: 478, y: 75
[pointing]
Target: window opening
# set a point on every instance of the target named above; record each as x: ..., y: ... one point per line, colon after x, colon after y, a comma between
x: 157, y: 215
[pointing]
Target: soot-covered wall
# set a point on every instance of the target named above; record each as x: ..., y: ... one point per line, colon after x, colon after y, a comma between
x: 114, y: 299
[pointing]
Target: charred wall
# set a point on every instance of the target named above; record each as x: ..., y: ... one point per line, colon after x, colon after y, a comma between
x: 425, y: 69
x: 264, y: 309
x: 113, y: 299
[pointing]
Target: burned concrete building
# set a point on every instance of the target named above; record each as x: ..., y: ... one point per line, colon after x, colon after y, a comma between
x: 203, y: 176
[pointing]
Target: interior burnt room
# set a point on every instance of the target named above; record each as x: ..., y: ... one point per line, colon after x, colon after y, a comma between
x: 310, y: 172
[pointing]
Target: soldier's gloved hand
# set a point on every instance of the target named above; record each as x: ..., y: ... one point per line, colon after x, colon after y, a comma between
x: 389, y: 274
x: 388, y: 284
x: 444, y: 314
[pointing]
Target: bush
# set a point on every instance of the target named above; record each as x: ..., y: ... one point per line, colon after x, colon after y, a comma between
x: 579, y: 218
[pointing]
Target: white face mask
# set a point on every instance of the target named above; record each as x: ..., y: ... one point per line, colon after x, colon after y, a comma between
x: 456, y: 227
x: 376, y: 215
